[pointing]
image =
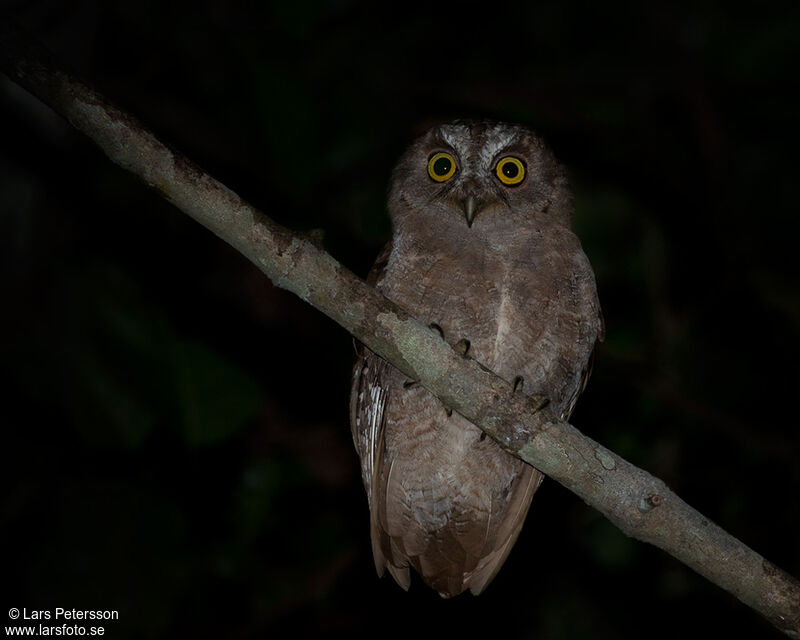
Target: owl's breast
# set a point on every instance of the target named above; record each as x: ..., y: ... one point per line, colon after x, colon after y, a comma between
x: 522, y: 308
x: 460, y: 292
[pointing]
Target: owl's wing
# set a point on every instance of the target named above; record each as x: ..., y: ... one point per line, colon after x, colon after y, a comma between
x: 494, y: 553
x: 369, y: 397
x: 592, y: 331
x: 369, y: 394
x: 379, y: 266
x: 368, y: 400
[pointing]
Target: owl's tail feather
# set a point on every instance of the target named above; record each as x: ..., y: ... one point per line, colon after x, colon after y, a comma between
x: 401, y: 575
x: 490, y: 564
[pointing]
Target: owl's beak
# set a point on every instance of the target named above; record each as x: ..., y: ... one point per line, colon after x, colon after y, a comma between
x: 470, y: 206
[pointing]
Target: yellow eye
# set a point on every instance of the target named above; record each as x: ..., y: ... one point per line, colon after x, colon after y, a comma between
x: 441, y: 166
x: 510, y: 171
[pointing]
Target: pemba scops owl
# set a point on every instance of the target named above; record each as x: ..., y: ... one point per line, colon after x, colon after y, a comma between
x: 481, y: 250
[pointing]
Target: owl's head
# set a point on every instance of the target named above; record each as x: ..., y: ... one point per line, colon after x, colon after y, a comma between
x: 482, y: 175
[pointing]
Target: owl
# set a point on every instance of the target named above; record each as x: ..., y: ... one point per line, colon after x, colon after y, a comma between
x: 482, y: 251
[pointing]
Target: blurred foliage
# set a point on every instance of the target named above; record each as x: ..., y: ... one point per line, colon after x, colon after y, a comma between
x: 176, y: 443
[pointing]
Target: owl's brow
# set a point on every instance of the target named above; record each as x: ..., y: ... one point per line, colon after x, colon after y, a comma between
x: 446, y: 137
x: 495, y: 144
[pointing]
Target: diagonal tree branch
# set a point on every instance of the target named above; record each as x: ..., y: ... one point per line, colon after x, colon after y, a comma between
x: 635, y: 501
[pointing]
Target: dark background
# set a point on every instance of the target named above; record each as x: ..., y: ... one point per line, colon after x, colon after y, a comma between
x: 175, y: 438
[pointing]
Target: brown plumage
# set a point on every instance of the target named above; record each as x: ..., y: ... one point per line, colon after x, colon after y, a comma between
x: 482, y: 248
